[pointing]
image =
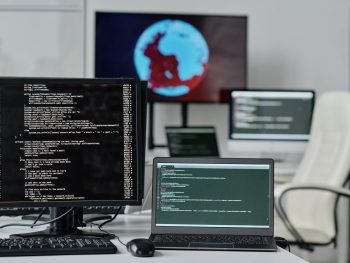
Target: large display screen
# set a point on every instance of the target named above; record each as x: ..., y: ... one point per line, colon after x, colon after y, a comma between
x: 184, y: 58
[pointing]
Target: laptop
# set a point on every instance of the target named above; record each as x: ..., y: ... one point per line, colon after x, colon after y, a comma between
x: 213, y: 204
x: 197, y: 141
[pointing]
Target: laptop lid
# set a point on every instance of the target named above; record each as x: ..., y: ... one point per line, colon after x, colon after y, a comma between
x: 212, y: 196
x: 197, y: 141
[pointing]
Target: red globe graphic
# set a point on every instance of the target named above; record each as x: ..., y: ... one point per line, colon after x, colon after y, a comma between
x: 173, y: 56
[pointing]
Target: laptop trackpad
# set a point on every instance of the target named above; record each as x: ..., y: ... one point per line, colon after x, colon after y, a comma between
x: 211, y: 245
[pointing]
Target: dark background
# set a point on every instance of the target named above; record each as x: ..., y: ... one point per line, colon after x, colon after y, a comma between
x: 95, y: 172
x: 249, y: 185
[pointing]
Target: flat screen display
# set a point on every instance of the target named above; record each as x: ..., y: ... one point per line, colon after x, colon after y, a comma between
x: 184, y: 58
x: 66, y: 141
x: 271, y: 114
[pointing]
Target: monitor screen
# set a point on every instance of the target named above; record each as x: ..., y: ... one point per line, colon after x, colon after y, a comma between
x: 212, y: 196
x: 184, y: 58
x: 70, y: 142
x: 192, y: 141
x: 271, y: 114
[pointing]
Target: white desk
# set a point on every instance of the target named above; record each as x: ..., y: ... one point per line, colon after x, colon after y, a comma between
x: 136, y: 226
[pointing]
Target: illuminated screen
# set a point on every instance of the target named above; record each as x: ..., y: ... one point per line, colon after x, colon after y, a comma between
x: 184, y: 58
x: 69, y: 140
x: 271, y: 114
x: 213, y: 195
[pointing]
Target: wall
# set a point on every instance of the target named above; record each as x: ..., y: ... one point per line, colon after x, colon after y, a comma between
x: 292, y: 44
x: 43, y: 38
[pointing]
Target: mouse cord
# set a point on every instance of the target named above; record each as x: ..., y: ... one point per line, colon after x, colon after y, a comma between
x: 116, y: 236
x: 120, y: 241
x: 108, y: 221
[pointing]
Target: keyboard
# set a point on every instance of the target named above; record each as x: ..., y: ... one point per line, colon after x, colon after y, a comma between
x: 55, y: 246
x: 15, y: 211
x: 237, y: 240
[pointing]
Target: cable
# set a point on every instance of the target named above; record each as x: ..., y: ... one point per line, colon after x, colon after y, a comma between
x: 282, y: 242
x: 108, y: 221
x: 39, y: 216
x: 40, y: 224
x: 120, y: 241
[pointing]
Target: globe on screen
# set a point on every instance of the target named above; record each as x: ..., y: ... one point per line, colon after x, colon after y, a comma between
x: 173, y: 56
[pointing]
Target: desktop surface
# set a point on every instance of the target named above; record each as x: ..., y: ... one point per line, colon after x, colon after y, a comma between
x: 128, y: 227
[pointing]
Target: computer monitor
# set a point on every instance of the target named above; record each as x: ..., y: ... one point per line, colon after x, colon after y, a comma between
x: 270, y: 123
x: 192, y: 141
x: 70, y: 143
x: 184, y: 57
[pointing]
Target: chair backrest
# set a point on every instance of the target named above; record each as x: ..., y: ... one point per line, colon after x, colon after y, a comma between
x: 326, y: 161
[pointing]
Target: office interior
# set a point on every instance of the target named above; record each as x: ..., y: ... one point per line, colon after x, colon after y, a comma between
x: 291, y: 45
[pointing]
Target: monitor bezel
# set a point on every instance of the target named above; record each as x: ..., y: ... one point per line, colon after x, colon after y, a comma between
x: 231, y: 109
x: 213, y: 230
x: 220, y: 100
x: 137, y: 145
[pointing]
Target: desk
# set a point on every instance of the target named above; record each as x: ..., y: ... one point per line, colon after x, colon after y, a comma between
x: 133, y: 226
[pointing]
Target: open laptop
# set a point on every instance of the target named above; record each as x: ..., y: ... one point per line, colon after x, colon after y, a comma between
x: 197, y: 141
x: 213, y: 204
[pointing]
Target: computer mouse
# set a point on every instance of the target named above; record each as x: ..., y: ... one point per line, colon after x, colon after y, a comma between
x: 141, y: 247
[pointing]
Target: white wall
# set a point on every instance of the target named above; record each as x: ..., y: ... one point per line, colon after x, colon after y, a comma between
x: 292, y: 44
x: 41, y: 38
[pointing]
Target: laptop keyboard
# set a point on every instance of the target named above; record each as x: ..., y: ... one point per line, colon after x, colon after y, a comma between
x: 237, y: 240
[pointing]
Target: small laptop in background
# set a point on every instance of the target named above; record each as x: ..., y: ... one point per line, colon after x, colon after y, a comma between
x: 192, y: 141
x: 213, y: 204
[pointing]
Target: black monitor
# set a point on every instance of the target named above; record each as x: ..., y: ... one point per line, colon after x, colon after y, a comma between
x: 71, y: 143
x: 184, y: 57
x: 268, y: 121
x: 192, y: 141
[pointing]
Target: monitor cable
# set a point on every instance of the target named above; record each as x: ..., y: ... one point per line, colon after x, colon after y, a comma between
x: 39, y: 216
x: 40, y: 224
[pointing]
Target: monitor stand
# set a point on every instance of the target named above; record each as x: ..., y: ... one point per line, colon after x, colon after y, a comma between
x: 87, y: 219
x: 66, y: 226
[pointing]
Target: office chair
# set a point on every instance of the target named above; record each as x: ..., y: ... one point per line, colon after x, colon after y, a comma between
x: 307, y: 205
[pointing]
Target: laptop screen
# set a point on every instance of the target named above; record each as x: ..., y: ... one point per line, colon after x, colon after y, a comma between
x: 192, y: 141
x: 213, y: 195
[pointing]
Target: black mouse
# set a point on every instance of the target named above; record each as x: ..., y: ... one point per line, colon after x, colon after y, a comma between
x: 141, y: 247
